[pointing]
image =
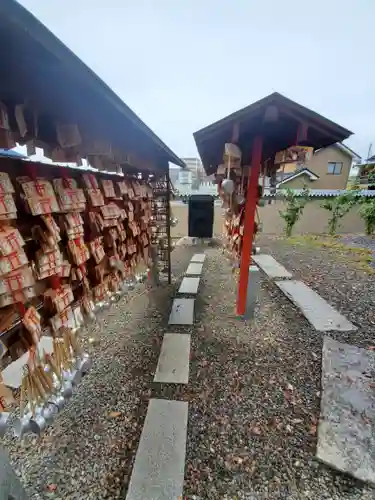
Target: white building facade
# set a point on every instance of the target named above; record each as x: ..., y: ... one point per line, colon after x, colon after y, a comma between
x: 192, y: 179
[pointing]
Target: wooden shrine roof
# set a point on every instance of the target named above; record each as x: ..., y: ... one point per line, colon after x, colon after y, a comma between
x: 277, y: 135
x: 37, y: 68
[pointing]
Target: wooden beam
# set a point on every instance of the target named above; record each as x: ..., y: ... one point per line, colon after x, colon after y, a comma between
x: 271, y: 114
x: 311, y: 125
x: 236, y: 133
x: 302, y: 130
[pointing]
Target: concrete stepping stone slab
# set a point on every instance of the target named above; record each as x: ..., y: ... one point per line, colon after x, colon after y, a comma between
x: 158, y: 472
x: 194, y: 269
x: 173, y: 364
x: 346, y: 440
x: 317, y: 311
x: 182, y: 312
x: 189, y: 285
x: 198, y: 257
x: 10, y: 485
x: 252, y: 291
x: 270, y: 266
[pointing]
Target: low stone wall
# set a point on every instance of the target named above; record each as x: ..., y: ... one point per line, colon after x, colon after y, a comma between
x: 314, y: 220
x: 181, y: 212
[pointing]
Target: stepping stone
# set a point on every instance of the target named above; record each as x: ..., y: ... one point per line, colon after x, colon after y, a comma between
x: 252, y: 291
x: 198, y: 257
x: 173, y: 364
x: 270, y: 266
x: 182, y: 312
x: 158, y: 472
x: 10, y: 485
x: 346, y: 440
x: 189, y: 285
x: 194, y: 269
x: 317, y: 311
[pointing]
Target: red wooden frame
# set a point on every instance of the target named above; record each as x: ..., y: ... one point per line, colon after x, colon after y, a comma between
x: 250, y: 208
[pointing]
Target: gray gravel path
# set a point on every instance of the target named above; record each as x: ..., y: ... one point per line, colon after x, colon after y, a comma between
x: 253, y: 393
x: 89, y: 451
x: 254, y: 400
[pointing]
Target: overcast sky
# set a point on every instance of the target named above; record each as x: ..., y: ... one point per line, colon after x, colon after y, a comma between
x: 182, y: 64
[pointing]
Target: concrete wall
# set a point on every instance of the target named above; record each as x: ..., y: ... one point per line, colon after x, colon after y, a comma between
x: 314, y: 220
x: 181, y: 212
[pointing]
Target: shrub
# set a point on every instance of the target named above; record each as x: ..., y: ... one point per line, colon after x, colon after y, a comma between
x: 338, y: 207
x: 367, y: 213
x: 294, y: 209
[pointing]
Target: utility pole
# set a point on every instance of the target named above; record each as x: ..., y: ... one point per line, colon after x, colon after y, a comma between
x: 369, y: 153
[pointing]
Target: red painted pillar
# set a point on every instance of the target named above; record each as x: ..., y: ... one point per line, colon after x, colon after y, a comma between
x: 247, y: 242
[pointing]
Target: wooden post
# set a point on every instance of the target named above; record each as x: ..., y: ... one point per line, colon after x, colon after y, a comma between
x: 169, y: 225
x: 302, y: 132
x: 235, y: 133
x: 247, y: 242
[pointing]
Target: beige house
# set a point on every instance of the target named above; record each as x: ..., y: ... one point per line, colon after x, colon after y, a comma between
x: 328, y: 169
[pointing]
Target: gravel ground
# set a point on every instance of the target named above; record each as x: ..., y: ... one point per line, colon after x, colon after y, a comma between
x: 335, y: 277
x: 360, y: 241
x: 89, y: 451
x: 254, y: 400
x: 253, y: 392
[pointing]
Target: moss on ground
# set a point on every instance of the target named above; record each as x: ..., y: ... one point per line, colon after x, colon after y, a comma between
x: 360, y: 258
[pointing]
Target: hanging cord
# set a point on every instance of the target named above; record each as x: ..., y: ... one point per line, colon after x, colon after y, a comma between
x: 259, y: 222
x: 265, y: 172
x: 242, y: 188
x: 228, y: 171
x: 257, y: 214
x: 228, y: 178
